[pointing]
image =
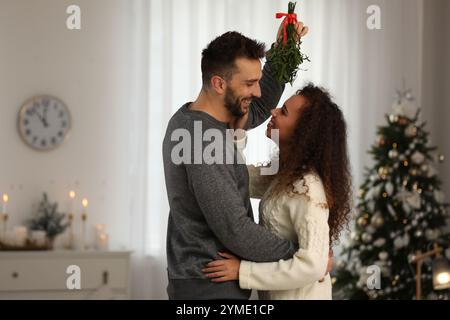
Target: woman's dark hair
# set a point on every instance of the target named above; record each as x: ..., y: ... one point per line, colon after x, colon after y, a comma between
x: 319, y: 144
x: 218, y: 59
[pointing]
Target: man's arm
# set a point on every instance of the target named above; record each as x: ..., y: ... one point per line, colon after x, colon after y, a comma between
x: 271, y: 92
x: 223, y: 208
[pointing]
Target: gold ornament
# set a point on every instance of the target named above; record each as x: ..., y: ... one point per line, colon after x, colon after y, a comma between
x: 362, y: 222
x: 411, y: 131
x: 361, y: 193
x: 377, y: 220
x: 405, y: 163
x: 383, y: 172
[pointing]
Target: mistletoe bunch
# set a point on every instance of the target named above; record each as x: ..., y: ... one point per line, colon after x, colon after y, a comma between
x: 285, y: 57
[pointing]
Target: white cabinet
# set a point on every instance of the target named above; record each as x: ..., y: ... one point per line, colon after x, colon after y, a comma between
x: 46, y: 275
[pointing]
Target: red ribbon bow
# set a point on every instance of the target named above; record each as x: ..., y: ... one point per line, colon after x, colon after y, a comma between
x: 291, y: 18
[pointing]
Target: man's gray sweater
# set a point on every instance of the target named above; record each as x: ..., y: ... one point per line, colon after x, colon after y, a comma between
x: 210, y: 208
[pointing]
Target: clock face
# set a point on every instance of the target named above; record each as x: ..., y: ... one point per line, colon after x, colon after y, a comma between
x: 44, y: 122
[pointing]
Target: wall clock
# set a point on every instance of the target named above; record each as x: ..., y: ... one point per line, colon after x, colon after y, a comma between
x: 44, y: 122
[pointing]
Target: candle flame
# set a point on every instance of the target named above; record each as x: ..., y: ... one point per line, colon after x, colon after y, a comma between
x: 85, y: 203
x: 5, y: 198
x: 72, y: 194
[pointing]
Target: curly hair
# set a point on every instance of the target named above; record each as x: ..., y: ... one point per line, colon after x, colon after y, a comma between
x: 319, y: 144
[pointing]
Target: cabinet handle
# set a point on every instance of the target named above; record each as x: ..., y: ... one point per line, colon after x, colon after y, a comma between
x: 105, y: 277
x: 15, y: 275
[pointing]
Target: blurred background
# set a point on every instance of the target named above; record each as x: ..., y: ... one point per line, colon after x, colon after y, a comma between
x: 131, y: 66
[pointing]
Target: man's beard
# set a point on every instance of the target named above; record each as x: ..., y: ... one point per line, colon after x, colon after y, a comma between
x: 233, y: 103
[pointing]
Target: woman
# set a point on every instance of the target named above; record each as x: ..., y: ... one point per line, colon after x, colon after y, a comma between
x: 307, y: 201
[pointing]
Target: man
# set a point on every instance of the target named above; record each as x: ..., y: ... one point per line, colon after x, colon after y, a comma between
x: 209, y: 201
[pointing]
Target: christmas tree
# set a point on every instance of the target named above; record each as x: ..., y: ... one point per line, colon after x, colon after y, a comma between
x: 400, y: 211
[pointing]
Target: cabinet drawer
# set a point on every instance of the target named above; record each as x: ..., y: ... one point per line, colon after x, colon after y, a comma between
x: 42, y: 274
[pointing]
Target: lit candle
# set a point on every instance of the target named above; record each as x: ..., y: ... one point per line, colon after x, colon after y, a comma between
x: 71, y: 197
x: 5, y: 202
x: 99, y: 228
x: 102, y: 241
x: 20, y: 235
x: 85, y: 205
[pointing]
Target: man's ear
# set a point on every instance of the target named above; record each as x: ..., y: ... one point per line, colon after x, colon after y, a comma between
x: 218, y: 84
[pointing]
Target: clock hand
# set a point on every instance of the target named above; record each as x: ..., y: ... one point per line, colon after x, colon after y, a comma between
x: 40, y: 117
x: 45, y: 117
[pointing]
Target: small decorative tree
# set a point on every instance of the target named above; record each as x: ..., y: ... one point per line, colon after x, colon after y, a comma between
x: 49, y: 220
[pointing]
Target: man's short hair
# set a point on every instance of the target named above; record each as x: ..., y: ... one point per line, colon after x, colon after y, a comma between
x: 218, y: 59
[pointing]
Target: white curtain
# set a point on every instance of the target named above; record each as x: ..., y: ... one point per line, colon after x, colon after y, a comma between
x: 361, y: 68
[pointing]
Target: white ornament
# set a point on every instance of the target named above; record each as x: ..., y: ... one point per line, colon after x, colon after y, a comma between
x: 404, y: 108
x: 398, y: 243
x: 370, y: 230
x: 406, y: 239
x: 418, y: 158
x: 411, y: 199
x: 366, y: 237
x: 371, y: 205
x: 431, y: 234
x: 424, y: 168
x: 393, y: 154
x: 439, y: 196
x: 379, y: 242
x: 447, y: 253
x: 389, y: 188
x: 383, y: 255
x: 431, y: 171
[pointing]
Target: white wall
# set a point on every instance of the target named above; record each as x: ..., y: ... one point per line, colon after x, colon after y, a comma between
x: 436, y: 80
x: 89, y: 70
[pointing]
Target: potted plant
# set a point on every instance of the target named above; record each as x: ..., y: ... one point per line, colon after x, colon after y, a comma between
x: 48, y: 219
